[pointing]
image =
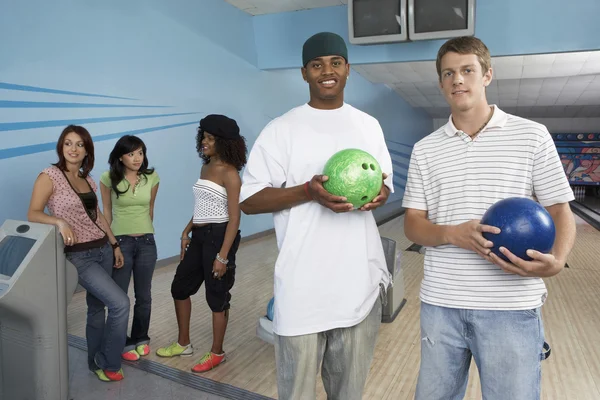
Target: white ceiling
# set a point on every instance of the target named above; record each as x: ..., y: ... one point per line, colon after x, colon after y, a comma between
x: 565, y: 85
x: 258, y: 7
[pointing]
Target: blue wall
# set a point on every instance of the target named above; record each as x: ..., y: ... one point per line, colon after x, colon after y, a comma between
x: 508, y: 27
x: 152, y: 68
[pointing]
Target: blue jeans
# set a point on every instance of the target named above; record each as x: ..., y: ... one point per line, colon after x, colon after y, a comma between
x: 105, y: 336
x: 507, y: 347
x: 140, y: 259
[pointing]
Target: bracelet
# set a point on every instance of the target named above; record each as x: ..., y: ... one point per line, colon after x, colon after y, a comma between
x: 115, y: 245
x: 306, y: 190
x: 221, y: 259
x: 186, y: 238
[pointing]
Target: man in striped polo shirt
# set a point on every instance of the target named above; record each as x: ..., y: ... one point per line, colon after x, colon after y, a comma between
x: 473, y: 304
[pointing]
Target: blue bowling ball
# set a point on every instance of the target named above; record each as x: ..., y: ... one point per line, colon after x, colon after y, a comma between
x: 525, y: 225
x: 270, y: 309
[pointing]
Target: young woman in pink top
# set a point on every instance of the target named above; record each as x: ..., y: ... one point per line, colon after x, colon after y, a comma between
x: 69, y: 193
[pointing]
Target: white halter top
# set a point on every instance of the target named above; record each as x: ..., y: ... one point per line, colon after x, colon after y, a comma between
x: 210, y: 202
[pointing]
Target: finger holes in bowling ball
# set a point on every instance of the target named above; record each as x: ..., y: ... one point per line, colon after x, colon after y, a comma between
x: 354, y: 174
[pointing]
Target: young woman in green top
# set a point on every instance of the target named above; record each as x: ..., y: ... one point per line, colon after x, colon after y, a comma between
x: 128, y: 193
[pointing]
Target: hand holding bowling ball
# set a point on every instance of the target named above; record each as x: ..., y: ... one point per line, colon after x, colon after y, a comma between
x: 524, y: 224
x: 380, y: 199
x: 469, y: 236
x: 526, y: 239
x: 355, y: 175
x: 317, y: 192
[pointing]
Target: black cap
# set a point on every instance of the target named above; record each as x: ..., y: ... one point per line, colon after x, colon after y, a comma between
x: 324, y: 44
x: 220, y: 125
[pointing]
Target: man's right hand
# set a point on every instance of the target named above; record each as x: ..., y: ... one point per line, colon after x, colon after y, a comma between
x: 469, y: 235
x: 318, y: 193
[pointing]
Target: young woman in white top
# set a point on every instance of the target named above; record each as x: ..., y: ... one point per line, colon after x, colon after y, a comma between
x: 209, y: 255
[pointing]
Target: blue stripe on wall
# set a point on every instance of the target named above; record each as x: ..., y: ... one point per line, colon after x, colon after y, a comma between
x: 403, y: 144
x: 11, y: 86
x: 400, y: 176
x: 399, y: 153
x: 13, y: 126
x: 400, y: 164
x: 43, y: 104
x: 41, y: 147
x: 398, y: 184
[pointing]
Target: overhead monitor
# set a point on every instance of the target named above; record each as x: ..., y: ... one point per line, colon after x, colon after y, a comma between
x: 440, y: 19
x: 377, y: 21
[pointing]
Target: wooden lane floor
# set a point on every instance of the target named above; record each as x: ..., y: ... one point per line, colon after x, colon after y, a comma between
x: 571, y: 318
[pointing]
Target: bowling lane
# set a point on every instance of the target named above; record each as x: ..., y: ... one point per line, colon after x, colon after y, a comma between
x: 587, y: 204
x: 592, y: 202
x: 571, y: 319
x: 586, y: 252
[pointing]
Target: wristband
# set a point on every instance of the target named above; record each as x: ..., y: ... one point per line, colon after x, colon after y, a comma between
x: 306, y: 191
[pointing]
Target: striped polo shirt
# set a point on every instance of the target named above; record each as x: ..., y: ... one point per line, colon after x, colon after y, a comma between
x: 456, y: 179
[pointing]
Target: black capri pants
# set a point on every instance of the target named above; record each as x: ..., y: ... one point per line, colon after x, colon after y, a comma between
x: 197, y: 265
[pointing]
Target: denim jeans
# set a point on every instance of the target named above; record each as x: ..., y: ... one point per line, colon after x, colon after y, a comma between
x: 507, y: 347
x: 105, y: 336
x: 346, y: 355
x: 140, y: 259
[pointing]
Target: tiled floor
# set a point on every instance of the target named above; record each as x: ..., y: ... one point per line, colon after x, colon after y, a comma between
x: 138, y: 384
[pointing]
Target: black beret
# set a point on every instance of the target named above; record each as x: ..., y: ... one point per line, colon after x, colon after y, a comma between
x: 323, y: 44
x: 220, y: 125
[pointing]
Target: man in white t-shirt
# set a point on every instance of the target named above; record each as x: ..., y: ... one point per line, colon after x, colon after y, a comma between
x: 331, y: 274
x: 474, y: 304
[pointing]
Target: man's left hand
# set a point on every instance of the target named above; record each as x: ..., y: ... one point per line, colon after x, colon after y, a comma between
x: 542, y: 265
x: 380, y: 199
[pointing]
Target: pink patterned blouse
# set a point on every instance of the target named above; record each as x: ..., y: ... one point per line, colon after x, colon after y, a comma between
x: 66, y: 204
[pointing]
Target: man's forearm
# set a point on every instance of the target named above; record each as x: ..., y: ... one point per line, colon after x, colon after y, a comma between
x: 420, y: 230
x: 270, y: 200
x: 565, y: 230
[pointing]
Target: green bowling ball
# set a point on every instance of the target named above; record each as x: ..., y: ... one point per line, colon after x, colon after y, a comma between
x: 354, y: 174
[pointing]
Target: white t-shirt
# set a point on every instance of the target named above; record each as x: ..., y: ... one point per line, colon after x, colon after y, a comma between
x: 456, y: 179
x: 330, y: 265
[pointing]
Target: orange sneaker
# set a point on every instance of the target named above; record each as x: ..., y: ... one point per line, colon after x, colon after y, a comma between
x: 209, y: 361
x: 131, y: 355
x: 115, y: 376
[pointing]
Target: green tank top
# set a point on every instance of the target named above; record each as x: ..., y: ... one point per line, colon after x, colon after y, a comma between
x: 131, y: 211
